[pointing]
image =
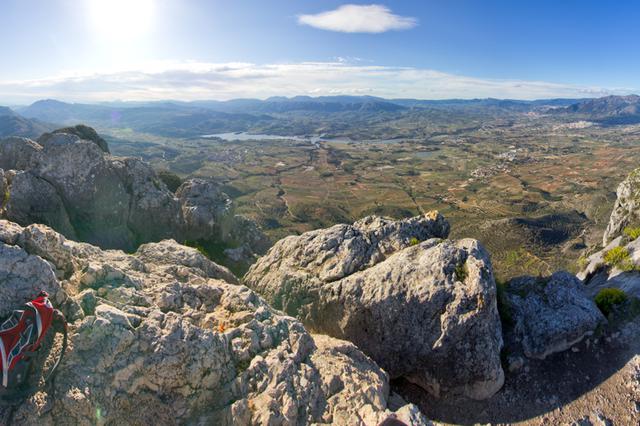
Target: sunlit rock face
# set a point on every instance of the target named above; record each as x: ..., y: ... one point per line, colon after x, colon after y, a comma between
x: 425, y: 310
x: 626, y: 211
x: 165, y: 336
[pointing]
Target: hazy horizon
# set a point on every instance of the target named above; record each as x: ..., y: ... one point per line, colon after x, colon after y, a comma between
x: 143, y: 50
x: 264, y: 99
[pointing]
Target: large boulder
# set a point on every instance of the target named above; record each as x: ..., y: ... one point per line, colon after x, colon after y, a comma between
x: 424, y: 311
x: 308, y: 261
x: 22, y: 277
x: 33, y: 199
x: 18, y: 153
x: 158, y: 337
x: 550, y: 314
x: 82, y: 131
x: 626, y: 211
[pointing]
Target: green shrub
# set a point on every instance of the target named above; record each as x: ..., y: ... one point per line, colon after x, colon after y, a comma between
x: 461, y: 271
x: 583, y: 262
x: 414, y: 241
x: 5, y: 197
x: 196, y: 245
x: 632, y: 232
x: 607, y: 298
x: 172, y: 180
x: 616, y: 256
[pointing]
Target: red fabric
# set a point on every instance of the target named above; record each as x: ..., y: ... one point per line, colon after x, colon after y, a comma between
x: 24, y: 332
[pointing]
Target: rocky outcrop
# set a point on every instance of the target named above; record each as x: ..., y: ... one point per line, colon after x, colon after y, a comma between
x: 624, y: 275
x: 159, y: 337
x: 83, y: 132
x: 425, y: 311
x: 626, y: 211
x: 325, y: 255
x: 550, y: 314
x: 33, y: 199
x: 208, y: 216
x: 622, y: 270
x: 76, y: 187
x: 18, y: 153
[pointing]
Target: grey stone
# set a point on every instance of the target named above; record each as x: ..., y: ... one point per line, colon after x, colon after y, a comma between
x: 551, y: 314
x: 220, y: 355
x: 402, y: 304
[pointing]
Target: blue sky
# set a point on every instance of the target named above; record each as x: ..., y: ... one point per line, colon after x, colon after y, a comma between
x: 91, y: 50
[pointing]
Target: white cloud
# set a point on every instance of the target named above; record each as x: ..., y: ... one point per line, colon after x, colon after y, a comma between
x: 352, y: 18
x: 199, y: 81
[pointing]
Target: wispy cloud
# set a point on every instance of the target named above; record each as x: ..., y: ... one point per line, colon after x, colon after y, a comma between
x: 352, y: 18
x: 197, y: 80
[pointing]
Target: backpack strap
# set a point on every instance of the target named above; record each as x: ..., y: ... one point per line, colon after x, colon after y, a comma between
x: 60, y: 322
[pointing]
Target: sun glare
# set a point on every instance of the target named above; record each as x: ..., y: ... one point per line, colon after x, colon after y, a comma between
x: 121, y: 20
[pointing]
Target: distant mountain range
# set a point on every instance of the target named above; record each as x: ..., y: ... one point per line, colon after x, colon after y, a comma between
x: 12, y: 124
x: 276, y: 114
x: 608, y: 110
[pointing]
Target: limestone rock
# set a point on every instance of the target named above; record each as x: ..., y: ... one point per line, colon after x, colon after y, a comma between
x: 296, y: 265
x: 550, y: 314
x: 18, y: 153
x: 69, y: 181
x: 208, y: 215
x: 171, y: 253
x: 82, y: 131
x: 22, y: 277
x: 626, y: 211
x: 426, y: 312
x: 625, y: 276
x: 33, y: 199
x: 160, y: 339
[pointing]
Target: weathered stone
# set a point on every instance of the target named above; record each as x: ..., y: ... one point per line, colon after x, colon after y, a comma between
x: 82, y: 132
x: 33, y: 199
x: 550, y: 314
x: 626, y: 211
x: 161, y: 342
x: 18, y: 153
x: 426, y: 312
x: 22, y: 277
x: 75, y: 186
x: 208, y: 215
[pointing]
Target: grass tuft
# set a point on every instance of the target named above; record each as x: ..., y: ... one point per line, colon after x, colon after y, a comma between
x: 632, y: 232
x: 461, y: 271
x: 619, y: 257
x: 607, y: 298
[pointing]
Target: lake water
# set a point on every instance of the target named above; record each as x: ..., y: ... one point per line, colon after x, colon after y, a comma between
x: 243, y: 136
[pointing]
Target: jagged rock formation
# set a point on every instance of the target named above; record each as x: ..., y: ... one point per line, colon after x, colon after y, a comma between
x: 83, y: 132
x: 208, y: 216
x: 626, y: 211
x: 424, y: 311
x: 159, y: 337
x: 624, y: 273
x: 550, y: 314
x: 625, y: 276
x: 76, y: 187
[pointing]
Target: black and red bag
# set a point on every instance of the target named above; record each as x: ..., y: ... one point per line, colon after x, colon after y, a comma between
x: 21, y: 336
